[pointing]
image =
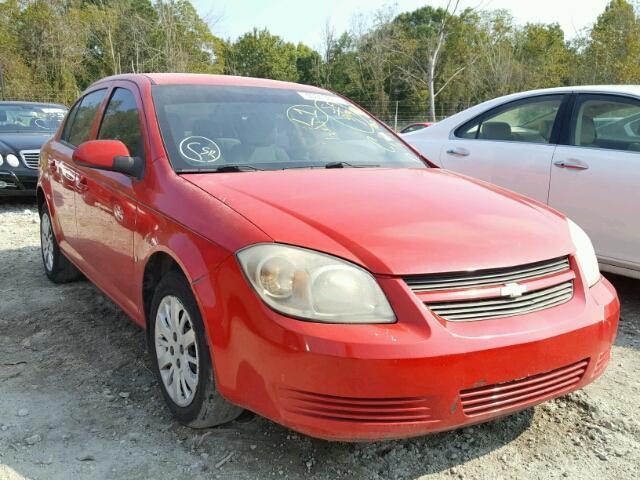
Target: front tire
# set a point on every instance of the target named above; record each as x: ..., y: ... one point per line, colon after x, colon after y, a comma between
x: 56, y: 266
x: 181, y: 357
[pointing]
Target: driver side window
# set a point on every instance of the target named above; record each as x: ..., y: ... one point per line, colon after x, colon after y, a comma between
x: 121, y: 121
x: 529, y: 120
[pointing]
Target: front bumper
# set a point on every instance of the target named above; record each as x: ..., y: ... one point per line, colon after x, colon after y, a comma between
x: 18, y: 182
x: 419, y: 375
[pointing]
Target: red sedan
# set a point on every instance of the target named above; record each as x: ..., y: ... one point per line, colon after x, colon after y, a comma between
x: 414, y: 127
x: 289, y: 254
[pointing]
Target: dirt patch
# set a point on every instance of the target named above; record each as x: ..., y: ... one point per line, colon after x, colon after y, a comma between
x: 78, y: 400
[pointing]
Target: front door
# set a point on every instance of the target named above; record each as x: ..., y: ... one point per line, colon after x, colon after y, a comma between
x: 63, y: 171
x: 105, y: 204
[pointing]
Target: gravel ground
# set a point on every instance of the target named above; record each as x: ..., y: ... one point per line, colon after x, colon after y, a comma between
x: 78, y: 400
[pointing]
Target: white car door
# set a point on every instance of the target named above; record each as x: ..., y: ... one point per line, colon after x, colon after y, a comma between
x: 510, y: 145
x: 595, y: 180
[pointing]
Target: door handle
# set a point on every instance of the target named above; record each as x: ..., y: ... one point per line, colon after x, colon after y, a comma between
x: 458, y: 152
x: 69, y: 174
x: 572, y: 164
x: 81, y: 184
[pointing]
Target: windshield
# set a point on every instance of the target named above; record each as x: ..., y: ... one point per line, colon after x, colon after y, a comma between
x: 18, y: 117
x: 214, y: 128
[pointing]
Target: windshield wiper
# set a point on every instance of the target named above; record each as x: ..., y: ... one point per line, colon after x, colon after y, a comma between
x: 342, y: 164
x: 221, y: 169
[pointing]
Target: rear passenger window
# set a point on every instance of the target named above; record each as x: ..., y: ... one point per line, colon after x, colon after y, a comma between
x: 529, y: 120
x: 80, y: 120
x: 122, y: 122
x: 611, y: 123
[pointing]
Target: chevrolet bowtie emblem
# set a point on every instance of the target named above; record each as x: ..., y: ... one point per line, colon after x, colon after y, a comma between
x: 513, y: 290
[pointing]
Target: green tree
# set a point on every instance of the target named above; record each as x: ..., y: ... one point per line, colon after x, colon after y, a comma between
x: 187, y: 44
x: 544, y: 55
x: 53, y: 57
x: 125, y: 37
x: 612, y: 54
x: 425, y: 35
x: 260, y: 54
x: 16, y: 75
x: 307, y: 64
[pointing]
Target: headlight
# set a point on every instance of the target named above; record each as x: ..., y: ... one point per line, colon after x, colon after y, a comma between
x: 12, y: 160
x: 585, y: 253
x: 311, y: 285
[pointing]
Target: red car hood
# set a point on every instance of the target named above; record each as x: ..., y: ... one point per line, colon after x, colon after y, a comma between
x: 394, y: 221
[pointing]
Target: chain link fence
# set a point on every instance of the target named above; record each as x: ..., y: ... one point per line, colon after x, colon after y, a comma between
x: 64, y: 97
x: 399, y: 115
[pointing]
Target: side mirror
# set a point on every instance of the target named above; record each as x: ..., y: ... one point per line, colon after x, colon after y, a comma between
x: 111, y: 155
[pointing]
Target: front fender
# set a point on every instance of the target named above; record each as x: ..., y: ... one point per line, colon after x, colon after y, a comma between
x: 155, y: 233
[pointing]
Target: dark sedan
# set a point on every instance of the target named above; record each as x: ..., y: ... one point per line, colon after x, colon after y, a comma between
x: 24, y: 127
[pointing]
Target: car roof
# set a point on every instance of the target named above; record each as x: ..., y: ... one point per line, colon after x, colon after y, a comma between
x: 623, y: 89
x: 38, y: 104
x: 207, y: 79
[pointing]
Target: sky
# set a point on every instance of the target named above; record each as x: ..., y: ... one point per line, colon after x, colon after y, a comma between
x: 303, y: 20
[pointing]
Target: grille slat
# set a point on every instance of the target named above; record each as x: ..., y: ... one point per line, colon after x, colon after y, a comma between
x: 349, y: 417
x: 487, y: 399
x: 491, y: 277
x: 493, y: 405
x: 502, y: 302
x: 536, y: 387
x: 455, y: 311
x: 31, y: 158
x: 496, y: 389
x: 505, y: 307
x: 357, y: 410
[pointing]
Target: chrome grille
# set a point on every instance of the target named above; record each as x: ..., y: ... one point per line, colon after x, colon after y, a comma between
x: 504, y: 307
x: 461, y: 280
x: 31, y: 158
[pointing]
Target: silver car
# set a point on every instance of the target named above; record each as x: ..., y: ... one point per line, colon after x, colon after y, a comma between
x: 576, y: 149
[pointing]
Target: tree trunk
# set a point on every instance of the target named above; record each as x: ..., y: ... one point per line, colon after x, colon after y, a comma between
x: 432, y: 97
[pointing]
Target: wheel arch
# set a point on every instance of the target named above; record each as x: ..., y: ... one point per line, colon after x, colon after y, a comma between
x: 41, y: 199
x: 157, y: 265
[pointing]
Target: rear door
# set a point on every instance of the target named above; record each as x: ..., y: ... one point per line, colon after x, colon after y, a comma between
x: 63, y: 172
x: 595, y: 179
x: 510, y: 145
x: 105, y: 202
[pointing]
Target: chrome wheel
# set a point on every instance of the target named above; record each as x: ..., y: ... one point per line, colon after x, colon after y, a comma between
x: 46, y: 241
x: 176, y: 350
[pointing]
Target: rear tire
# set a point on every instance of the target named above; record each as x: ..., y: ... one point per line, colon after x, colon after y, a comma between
x: 181, y: 357
x: 56, y: 266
